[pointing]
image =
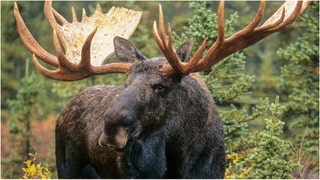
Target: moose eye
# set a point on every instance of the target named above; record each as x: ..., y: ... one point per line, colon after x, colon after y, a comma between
x: 159, y: 88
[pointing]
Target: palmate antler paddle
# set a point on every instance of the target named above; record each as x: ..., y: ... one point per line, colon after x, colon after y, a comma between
x: 87, y: 44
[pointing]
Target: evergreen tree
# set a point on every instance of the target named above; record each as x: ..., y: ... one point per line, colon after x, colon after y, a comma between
x: 250, y: 154
x: 263, y: 139
x: 23, y: 110
x: 299, y: 85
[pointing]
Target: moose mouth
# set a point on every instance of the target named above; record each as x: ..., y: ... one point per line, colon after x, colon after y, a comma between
x: 117, y: 141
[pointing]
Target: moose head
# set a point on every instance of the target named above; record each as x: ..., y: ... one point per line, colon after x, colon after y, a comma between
x: 141, y: 129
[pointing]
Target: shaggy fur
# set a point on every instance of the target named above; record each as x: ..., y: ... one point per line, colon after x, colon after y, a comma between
x: 153, y: 126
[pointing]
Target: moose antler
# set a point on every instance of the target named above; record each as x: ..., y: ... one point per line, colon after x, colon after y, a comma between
x: 222, y: 48
x: 87, y: 44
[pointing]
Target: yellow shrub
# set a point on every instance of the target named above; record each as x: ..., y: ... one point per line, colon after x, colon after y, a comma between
x: 36, y: 170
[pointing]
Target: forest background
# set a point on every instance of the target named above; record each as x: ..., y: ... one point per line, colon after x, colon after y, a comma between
x: 267, y: 94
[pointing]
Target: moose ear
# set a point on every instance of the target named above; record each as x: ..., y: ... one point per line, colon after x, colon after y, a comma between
x: 184, y: 51
x: 126, y: 51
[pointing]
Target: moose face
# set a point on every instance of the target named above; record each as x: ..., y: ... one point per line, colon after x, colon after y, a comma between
x: 142, y: 105
x: 132, y: 110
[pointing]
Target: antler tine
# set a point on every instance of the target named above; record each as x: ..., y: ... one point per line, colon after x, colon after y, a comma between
x: 51, y: 16
x: 204, y: 62
x: 212, y: 56
x: 48, y: 13
x: 161, y: 26
x: 286, y: 21
x: 85, y: 52
x: 30, y: 43
x: 74, y: 16
x: 84, y: 15
x: 220, y: 37
x: 69, y: 72
x: 166, y: 45
x: 59, y: 17
x: 63, y: 61
x: 224, y: 47
x: 76, y: 63
x: 256, y: 20
x: 65, y: 66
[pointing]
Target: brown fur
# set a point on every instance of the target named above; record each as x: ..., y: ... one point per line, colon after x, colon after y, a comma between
x: 171, y: 125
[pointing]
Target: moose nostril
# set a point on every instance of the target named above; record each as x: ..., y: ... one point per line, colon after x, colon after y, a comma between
x: 111, y: 146
x: 100, y: 144
x: 102, y: 140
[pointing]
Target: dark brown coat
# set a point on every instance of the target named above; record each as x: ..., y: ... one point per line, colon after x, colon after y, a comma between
x: 153, y: 126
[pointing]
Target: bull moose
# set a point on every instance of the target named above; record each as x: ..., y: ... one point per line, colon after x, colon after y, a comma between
x: 162, y: 122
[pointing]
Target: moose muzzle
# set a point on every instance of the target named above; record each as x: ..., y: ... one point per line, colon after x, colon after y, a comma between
x: 121, y: 119
x: 118, y: 141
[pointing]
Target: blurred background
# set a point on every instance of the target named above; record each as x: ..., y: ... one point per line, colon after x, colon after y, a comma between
x: 267, y: 94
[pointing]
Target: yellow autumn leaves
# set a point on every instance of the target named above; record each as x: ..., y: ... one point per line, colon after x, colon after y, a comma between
x: 36, y: 170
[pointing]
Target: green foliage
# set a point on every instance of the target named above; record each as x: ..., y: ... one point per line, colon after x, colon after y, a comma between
x: 271, y: 150
x: 299, y: 84
x: 252, y: 154
x: 257, y: 155
x: 225, y: 74
x: 227, y: 80
x: 11, y: 67
x: 263, y: 139
x: 203, y: 24
x: 264, y: 154
x: 23, y: 107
